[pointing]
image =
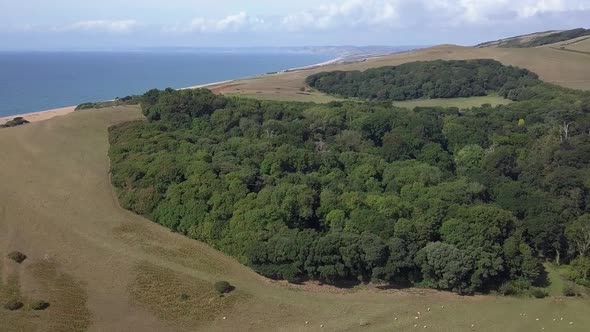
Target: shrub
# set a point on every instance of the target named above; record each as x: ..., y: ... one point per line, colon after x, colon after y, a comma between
x: 40, y: 305
x: 514, y: 287
x: 223, y: 287
x: 539, y: 293
x: 13, y: 305
x: 18, y: 121
x: 17, y: 256
x: 184, y: 297
x: 85, y: 106
x: 570, y: 290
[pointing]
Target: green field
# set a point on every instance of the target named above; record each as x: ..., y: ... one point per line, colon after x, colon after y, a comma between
x: 462, y: 103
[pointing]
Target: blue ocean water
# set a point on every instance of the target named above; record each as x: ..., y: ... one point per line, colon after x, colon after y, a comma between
x: 35, y: 81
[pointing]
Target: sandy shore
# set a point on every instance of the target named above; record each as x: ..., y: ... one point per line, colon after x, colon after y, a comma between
x: 40, y: 116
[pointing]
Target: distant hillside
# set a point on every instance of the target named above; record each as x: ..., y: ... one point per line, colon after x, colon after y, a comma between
x: 537, y: 39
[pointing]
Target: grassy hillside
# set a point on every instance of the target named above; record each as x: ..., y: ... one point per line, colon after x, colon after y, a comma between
x: 116, y: 271
x: 569, y: 69
x: 537, y: 39
x: 517, y: 40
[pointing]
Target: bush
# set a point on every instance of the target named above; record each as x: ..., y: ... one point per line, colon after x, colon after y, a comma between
x: 13, y: 305
x: 514, y: 287
x: 17, y: 256
x: 570, y: 290
x: 40, y: 305
x: 85, y: 106
x: 184, y: 297
x: 223, y: 287
x: 18, y: 121
x: 539, y: 293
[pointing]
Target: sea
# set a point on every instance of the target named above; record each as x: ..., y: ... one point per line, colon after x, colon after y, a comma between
x: 37, y: 81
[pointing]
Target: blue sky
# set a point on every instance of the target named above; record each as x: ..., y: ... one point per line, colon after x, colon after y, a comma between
x: 122, y: 24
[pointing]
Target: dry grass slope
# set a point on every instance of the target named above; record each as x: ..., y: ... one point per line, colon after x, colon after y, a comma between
x: 125, y: 273
x: 569, y: 69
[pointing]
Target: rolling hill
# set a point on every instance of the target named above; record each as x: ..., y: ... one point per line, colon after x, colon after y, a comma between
x: 538, y: 39
x: 102, y: 268
x: 568, y: 69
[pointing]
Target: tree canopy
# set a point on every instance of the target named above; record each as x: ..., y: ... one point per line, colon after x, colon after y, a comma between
x: 461, y: 201
x: 433, y: 79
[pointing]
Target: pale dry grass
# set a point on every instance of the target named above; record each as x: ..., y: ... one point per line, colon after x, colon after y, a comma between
x: 66, y: 296
x: 567, y: 69
x: 161, y: 290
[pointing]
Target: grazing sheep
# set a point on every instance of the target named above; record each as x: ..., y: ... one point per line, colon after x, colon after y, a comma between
x: 224, y: 317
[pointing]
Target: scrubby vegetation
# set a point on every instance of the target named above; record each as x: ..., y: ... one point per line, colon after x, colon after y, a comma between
x: 40, y: 305
x: 464, y: 201
x: 223, y: 287
x: 13, y: 305
x: 557, y: 37
x: 18, y: 121
x: 433, y: 79
x: 17, y: 256
x: 127, y: 100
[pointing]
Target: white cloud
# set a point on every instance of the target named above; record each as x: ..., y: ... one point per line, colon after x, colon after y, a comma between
x: 486, y: 11
x: 100, y: 25
x: 235, y: 22
x: 350, y: 13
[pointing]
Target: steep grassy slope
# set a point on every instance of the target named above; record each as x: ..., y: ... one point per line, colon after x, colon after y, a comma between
x: 106, y: 269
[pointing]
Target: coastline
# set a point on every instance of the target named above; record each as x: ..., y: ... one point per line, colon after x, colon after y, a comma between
x: 51, y: 113
x: 40, y: 115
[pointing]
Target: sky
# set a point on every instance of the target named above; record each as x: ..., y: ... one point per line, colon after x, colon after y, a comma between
x: 128, y: 24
